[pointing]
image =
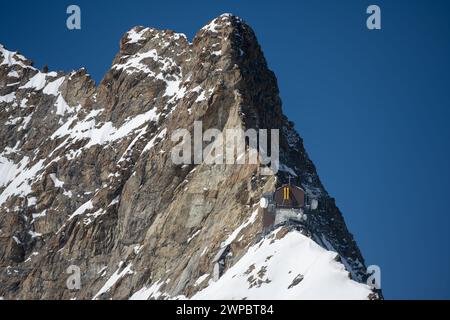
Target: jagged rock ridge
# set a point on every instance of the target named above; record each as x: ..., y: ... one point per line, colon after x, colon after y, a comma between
x: 86, y: 176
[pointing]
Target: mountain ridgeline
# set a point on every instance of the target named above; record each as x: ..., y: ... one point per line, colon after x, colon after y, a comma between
x: 87, y: 183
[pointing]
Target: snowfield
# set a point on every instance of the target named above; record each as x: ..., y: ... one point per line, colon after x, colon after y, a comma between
x: 293, y: 267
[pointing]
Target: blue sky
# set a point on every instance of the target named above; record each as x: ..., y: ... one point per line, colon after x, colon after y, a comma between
x: 372, y: 106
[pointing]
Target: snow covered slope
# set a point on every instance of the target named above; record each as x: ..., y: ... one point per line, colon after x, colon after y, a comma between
x: 289, y: 266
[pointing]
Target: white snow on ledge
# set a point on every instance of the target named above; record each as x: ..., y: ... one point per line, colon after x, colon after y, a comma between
x: 223, y: 19
x: 100, y: 133
x: 8, y: 98
x: 150, y: 292
x: 82, y: 209
x: 293, y: 267
x: 22, y: 181
x: 37, y: 82
x: 11, y: 58
x: 113, y: 279
x: 238, y: 230
x: 53, y: 87
x: 135, y: 36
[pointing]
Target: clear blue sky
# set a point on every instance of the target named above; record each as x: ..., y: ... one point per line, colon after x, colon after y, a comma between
x: 372, y: 106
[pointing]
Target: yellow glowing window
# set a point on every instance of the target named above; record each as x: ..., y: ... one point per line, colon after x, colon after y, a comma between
x: 286, y: 193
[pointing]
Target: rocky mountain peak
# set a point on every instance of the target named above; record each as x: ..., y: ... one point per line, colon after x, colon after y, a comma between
x: 88, y: 180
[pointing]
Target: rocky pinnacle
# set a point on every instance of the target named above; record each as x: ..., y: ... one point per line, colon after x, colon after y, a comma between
x: 87, y: 180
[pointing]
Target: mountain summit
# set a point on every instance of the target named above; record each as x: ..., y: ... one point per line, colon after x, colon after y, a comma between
x: 87, y: 183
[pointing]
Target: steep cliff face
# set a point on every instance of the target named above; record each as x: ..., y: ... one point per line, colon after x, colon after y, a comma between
x: 87, y: 179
